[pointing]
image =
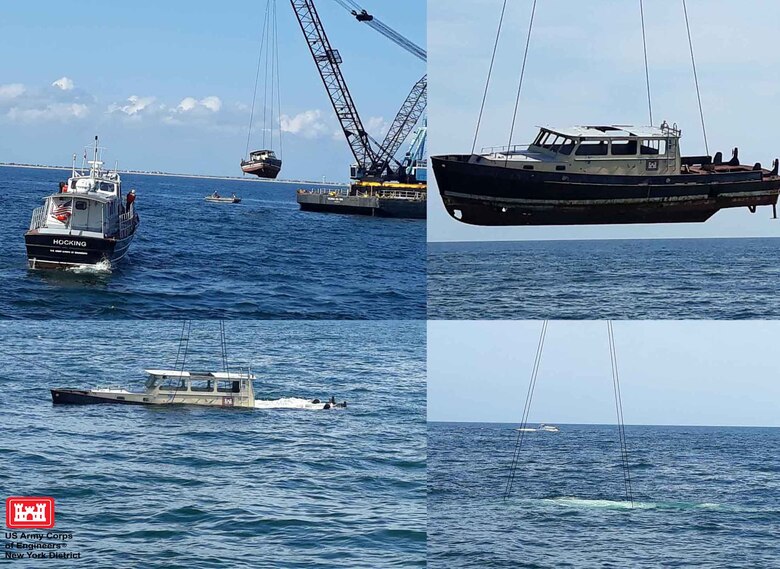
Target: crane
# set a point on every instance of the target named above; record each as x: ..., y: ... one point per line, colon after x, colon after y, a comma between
x: 374, y: 160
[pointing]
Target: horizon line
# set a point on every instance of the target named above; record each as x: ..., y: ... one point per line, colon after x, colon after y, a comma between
x: 603, y: 424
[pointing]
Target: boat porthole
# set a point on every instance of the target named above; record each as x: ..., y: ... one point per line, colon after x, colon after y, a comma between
x: 457, y: 214
x: 668, y: 180
x: 503, y: 210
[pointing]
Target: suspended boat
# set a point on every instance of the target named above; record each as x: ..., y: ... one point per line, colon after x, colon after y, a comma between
x: 85, y: 223
x: 262, y: 163
x: 599, y: 175
x: 178, y: 387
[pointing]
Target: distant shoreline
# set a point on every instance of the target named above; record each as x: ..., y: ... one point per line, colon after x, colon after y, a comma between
x: 203, y: 176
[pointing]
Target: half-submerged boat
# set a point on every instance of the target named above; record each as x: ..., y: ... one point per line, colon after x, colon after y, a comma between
x: 86, y: 222
x: 262, y: 163
x: 216, y: 198
x: 173, y: 387
x: 599, y: 175
x: 541, y: 428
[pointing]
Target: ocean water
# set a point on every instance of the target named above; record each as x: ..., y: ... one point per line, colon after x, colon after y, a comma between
x: 605, y: 279
x: 703, y: 497
x: 184, y: 487
x: 263, y: 258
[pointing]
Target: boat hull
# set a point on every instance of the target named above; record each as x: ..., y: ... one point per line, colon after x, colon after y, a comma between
x: 492, y: 195
x: 62, y: 251
x: 262, y: 169
x: 223, y: 200
x: 84, y: 397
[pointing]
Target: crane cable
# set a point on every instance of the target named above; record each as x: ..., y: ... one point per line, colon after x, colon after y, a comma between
x: 526, y: 410
x: 490, y: 73
x: 619, y: 413
x: 647, y: 69
x: 520, y: 83
x: 695, y: 78
x: 268, y: 58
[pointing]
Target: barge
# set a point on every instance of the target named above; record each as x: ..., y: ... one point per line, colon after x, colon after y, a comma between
x: 614, y: 174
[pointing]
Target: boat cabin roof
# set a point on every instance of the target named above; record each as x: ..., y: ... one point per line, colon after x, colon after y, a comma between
x: 613, y: 131
x: 199, y: 374
x: 261, y: 152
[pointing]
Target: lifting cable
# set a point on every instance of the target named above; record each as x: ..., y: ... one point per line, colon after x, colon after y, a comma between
x: 619, y: 412
x: 647, y: 70
x: 490, y: 72
x: 268, y: 60
x: 223, y: 342
x: 526, y: 409
x: 695, y: 78
x: 522, y: 74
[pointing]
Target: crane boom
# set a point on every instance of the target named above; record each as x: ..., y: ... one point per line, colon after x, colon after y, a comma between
x: 407, y: 116
x: 328, y: 60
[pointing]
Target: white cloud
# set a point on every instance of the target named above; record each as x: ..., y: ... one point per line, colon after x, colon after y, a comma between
x: 377, y: 126
x: 11, y: 91
x: 53, y: 111
x: 211, y: 103
x: 308, y: 124
x: 134, y: 105
x: 64, y: 83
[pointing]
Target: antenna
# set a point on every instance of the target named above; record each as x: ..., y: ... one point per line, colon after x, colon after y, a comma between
x: 73, y: 168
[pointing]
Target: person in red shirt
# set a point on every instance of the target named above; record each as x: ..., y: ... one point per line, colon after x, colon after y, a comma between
x: 130, y: 200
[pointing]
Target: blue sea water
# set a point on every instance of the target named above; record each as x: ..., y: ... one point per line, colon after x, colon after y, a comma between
x: 605, y: 279
x: 263, y: 258
x: 183, y: 487
x: 703, y: 497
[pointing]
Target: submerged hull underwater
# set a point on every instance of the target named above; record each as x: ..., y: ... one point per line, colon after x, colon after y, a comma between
x: 492, y: 195
x: 67, y: 396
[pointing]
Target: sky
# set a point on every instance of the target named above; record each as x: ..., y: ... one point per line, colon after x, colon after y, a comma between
x: 168, y: 85
x: 671, y: 372
x: 585, y: 66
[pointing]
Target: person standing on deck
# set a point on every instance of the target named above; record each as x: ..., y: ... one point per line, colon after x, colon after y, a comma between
x: 130, y: 200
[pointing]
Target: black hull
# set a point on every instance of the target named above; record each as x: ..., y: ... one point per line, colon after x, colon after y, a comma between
x: 492, y: 195
x: 51, y: 251
x: 269, y: 171
x: 81, y: 397
x: 386, y: 208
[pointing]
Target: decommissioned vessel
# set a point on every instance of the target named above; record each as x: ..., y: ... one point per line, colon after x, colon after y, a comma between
x: 599, y: 175
x: 178, y: 387
x: 87, y: 222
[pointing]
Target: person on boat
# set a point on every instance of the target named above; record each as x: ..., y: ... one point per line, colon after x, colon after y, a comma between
x: 233, y: 195
x: 215, y: 194
x: 130, y: 200
x: 63, y: 187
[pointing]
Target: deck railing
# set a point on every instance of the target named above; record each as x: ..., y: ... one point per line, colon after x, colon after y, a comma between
x: 378, y: 192
x: 126, y: 223
x: 38, y: 217
x: 503, y: 149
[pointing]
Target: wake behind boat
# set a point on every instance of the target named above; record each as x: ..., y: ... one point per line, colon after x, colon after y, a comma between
x: 599, y: 175
x: 178, y: 387
x: 87, y: 222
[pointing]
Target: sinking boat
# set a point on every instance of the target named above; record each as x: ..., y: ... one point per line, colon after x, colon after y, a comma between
x: 541, y: 428
x: 178, y: 387
x: 216, y: 198
x: 262, y: 163
x: 85, y: 223
x: 611, y: 174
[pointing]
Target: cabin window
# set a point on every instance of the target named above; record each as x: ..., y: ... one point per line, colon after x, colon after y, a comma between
x: 228, y: 386
x: 624, y: 147
x: 592, y: 148
x: 653, y: 147
x: 567, y: 146
x: 540, y: 137
x: 73, y: 184
x: 201, y: 385
x: 81, y: 205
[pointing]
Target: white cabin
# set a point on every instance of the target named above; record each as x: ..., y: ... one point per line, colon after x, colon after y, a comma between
x: 610, y: 150
x: 90, y: 205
